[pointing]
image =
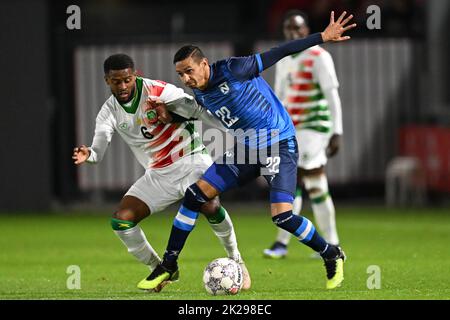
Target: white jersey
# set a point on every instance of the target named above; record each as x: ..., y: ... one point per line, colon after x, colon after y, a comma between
x: 300, y: 82
x: 155, y: 145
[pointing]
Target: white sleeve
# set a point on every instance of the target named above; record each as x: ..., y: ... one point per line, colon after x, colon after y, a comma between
x: 334, y: 102
x: 325, y: 72
x: 179, y: 102
x: 281, y: 84
x: 104, y: 130
x: 183, y: 104
x: 189, y: 108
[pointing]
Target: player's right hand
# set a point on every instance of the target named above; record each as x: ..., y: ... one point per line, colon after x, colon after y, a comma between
x: 161, y: 110
x: 333, y: 145
x: 80, y: 154
x: 335, y: 29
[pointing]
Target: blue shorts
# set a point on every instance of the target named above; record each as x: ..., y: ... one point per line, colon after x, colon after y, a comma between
x: 276, y: 163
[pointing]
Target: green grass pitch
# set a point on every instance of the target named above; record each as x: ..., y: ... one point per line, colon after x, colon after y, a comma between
x: 409, y: 246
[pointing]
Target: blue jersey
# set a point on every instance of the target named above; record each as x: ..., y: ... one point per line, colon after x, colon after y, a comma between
x: 243, y: 101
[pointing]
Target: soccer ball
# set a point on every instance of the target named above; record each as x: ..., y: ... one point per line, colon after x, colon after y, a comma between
x: 223, y: 276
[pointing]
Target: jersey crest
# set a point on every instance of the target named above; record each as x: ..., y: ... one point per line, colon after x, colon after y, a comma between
x: 224, y: 88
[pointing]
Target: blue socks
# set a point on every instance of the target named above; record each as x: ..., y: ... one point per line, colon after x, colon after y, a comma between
x: 303, y: 230
x: 187, y: 216
x: 184, y: 222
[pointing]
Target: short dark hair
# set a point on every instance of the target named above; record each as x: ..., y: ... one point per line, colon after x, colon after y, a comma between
x: 188, y: 51
x: 295, y: 12
x: 118, y: 61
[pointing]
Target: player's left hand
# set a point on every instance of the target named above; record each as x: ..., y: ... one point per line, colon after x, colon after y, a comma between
x: 333, y: 145
x: 336, y: 29
x: 161, y: 109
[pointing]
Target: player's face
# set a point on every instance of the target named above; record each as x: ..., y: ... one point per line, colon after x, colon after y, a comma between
x: 194, y: 74
x: 122, y: 84
x: 295, y: 28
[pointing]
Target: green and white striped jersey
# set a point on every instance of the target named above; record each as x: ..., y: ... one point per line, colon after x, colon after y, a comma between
x: 300, y: 81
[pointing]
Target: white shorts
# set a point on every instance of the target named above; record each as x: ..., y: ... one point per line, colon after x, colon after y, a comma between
x: 159, y: 188
x: 312, y: 149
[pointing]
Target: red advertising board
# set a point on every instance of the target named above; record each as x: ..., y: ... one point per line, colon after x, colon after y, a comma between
x: 431, y: 145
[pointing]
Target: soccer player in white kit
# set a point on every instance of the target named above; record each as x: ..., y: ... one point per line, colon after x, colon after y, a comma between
x: 307, y: 85
x: 172, y: 154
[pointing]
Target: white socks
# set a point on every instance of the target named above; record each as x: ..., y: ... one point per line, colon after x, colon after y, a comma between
x: 325, y: 217
x: 323, y: 207
x: 136, y: 242
x: 225, y: 232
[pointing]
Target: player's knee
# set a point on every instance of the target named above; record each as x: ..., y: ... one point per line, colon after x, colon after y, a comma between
x: 316, y: 186
x: 194, y: 198
x: 131, y: 209
x: 123, y: 220
x: 125, y: 215
x: 211, y: 207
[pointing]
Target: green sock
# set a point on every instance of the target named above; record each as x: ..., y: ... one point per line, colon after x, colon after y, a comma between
x: 117, y: 224
x: 218, y: 217
x: 224, y: 230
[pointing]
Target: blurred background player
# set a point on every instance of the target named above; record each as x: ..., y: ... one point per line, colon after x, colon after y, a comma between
x: 307, y: 85
x: 172, y: 154
x: 233, y: 90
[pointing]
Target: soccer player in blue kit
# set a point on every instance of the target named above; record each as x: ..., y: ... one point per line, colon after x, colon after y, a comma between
x: 238, y: 96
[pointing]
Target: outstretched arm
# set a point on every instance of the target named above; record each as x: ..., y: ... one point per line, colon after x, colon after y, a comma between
x: 333, y: 32
x: 104, y: 130
x: 94, y: 153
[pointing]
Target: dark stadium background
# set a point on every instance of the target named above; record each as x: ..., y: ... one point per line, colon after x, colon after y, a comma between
x: 38, y: 126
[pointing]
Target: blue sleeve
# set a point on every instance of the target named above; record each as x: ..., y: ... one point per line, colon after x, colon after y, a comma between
x: 244, y: 68
x: 269, y: 58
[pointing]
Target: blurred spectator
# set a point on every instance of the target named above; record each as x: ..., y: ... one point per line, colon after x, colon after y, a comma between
x: 399, y: 18
x: 317, y: 10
